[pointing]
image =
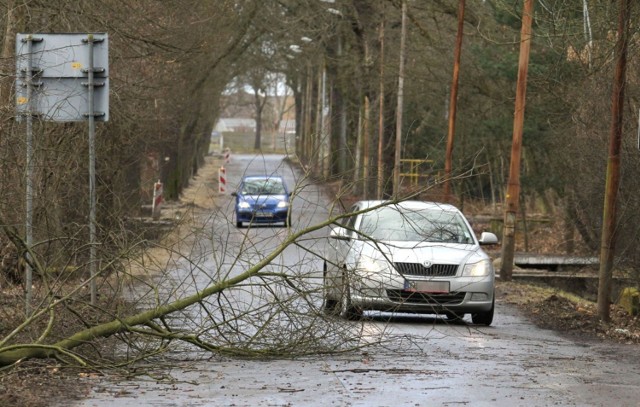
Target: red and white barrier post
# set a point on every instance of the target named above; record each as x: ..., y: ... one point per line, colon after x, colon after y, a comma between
x: 222, y: 180
x: 227, y: 155
x: 156, y: 205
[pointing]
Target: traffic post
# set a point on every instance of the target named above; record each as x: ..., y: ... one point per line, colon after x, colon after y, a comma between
x: 222, y: 180
x: 227, y: 155
x: 156, y: 205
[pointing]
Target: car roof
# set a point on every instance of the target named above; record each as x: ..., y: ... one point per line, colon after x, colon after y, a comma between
x: 410, y: 204
x: 258, y: 177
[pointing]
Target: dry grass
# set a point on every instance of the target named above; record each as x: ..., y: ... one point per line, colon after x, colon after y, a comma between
x: 564, y: 312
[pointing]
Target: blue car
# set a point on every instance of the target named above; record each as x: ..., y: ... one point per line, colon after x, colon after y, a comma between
x: 262, y: 199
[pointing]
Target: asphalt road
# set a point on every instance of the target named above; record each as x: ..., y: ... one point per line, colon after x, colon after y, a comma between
x: 403, y: 360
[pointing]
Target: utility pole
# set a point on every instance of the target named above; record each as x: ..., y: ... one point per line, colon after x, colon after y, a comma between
x: 608, y: 238
x: 513, y: 186
x: 453, y: 103
x: 398, y: 156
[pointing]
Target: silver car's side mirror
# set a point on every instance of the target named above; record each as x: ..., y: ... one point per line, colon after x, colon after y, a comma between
x: 487, y: 238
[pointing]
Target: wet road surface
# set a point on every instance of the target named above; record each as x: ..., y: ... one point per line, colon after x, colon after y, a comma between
x: 423, y: 362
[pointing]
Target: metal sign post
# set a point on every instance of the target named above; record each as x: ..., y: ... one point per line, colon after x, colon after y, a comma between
x: 28, y: 75
x: 29, y: 180
x: 92, y: 173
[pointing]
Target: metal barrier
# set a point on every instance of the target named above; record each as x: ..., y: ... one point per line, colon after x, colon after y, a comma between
x: 156, y: 205
x: 222, y: 180
x: 418, y: 169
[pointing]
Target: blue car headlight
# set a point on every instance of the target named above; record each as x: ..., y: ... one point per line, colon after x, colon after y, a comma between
x: 479, y: 269
x: 283, y: 204
x: 244, y: 205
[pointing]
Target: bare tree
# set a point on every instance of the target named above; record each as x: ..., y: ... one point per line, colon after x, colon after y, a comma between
x: 223, y: 292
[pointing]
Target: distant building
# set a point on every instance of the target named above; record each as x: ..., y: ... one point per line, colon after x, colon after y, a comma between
x: 235, y: 125
x: 287, y: 126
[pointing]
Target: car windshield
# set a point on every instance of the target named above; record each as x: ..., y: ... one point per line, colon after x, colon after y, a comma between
x: 263, y: 186
x: 421, y: 225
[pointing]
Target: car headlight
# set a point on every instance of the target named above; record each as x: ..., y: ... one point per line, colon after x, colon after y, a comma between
x: 244, y: 205
x: 369, y: 265
x: 283, y: 204
x: 479, y: 269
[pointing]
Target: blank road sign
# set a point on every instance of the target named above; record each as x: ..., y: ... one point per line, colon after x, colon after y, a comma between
x: 60, y: 64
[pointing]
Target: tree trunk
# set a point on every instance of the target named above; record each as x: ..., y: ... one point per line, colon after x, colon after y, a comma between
x: 453, y: 103
x: 380, y: 175
x: 607, y: 244
x: 257, y: 145
x: 13, y: 17
x: 399, y: 109
x: 513, y: 186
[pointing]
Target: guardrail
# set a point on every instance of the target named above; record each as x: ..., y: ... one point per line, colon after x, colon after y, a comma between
x: 553, y: 262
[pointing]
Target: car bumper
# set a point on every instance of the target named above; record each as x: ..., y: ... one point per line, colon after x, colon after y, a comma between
x: 465, y: 295
x: 270, y: 217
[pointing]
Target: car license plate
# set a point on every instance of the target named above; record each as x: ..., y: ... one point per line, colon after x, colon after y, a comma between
x: 429, y: 286
x: 264, y: 214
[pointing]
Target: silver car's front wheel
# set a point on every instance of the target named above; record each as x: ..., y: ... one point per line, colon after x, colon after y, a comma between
x: 484, y: 318
x: 330, y: 305
x: 347, y: 309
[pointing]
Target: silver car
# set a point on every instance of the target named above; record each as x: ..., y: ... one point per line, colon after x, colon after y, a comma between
x: 413, y: 256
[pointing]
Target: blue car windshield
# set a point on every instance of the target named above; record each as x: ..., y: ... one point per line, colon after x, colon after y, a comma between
x: 390, y: 224
x: 262, y: 186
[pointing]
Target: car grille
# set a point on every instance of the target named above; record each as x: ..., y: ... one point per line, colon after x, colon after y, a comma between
x: 425, y: 298
x: 264, y: 206
x: 436, y: 270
